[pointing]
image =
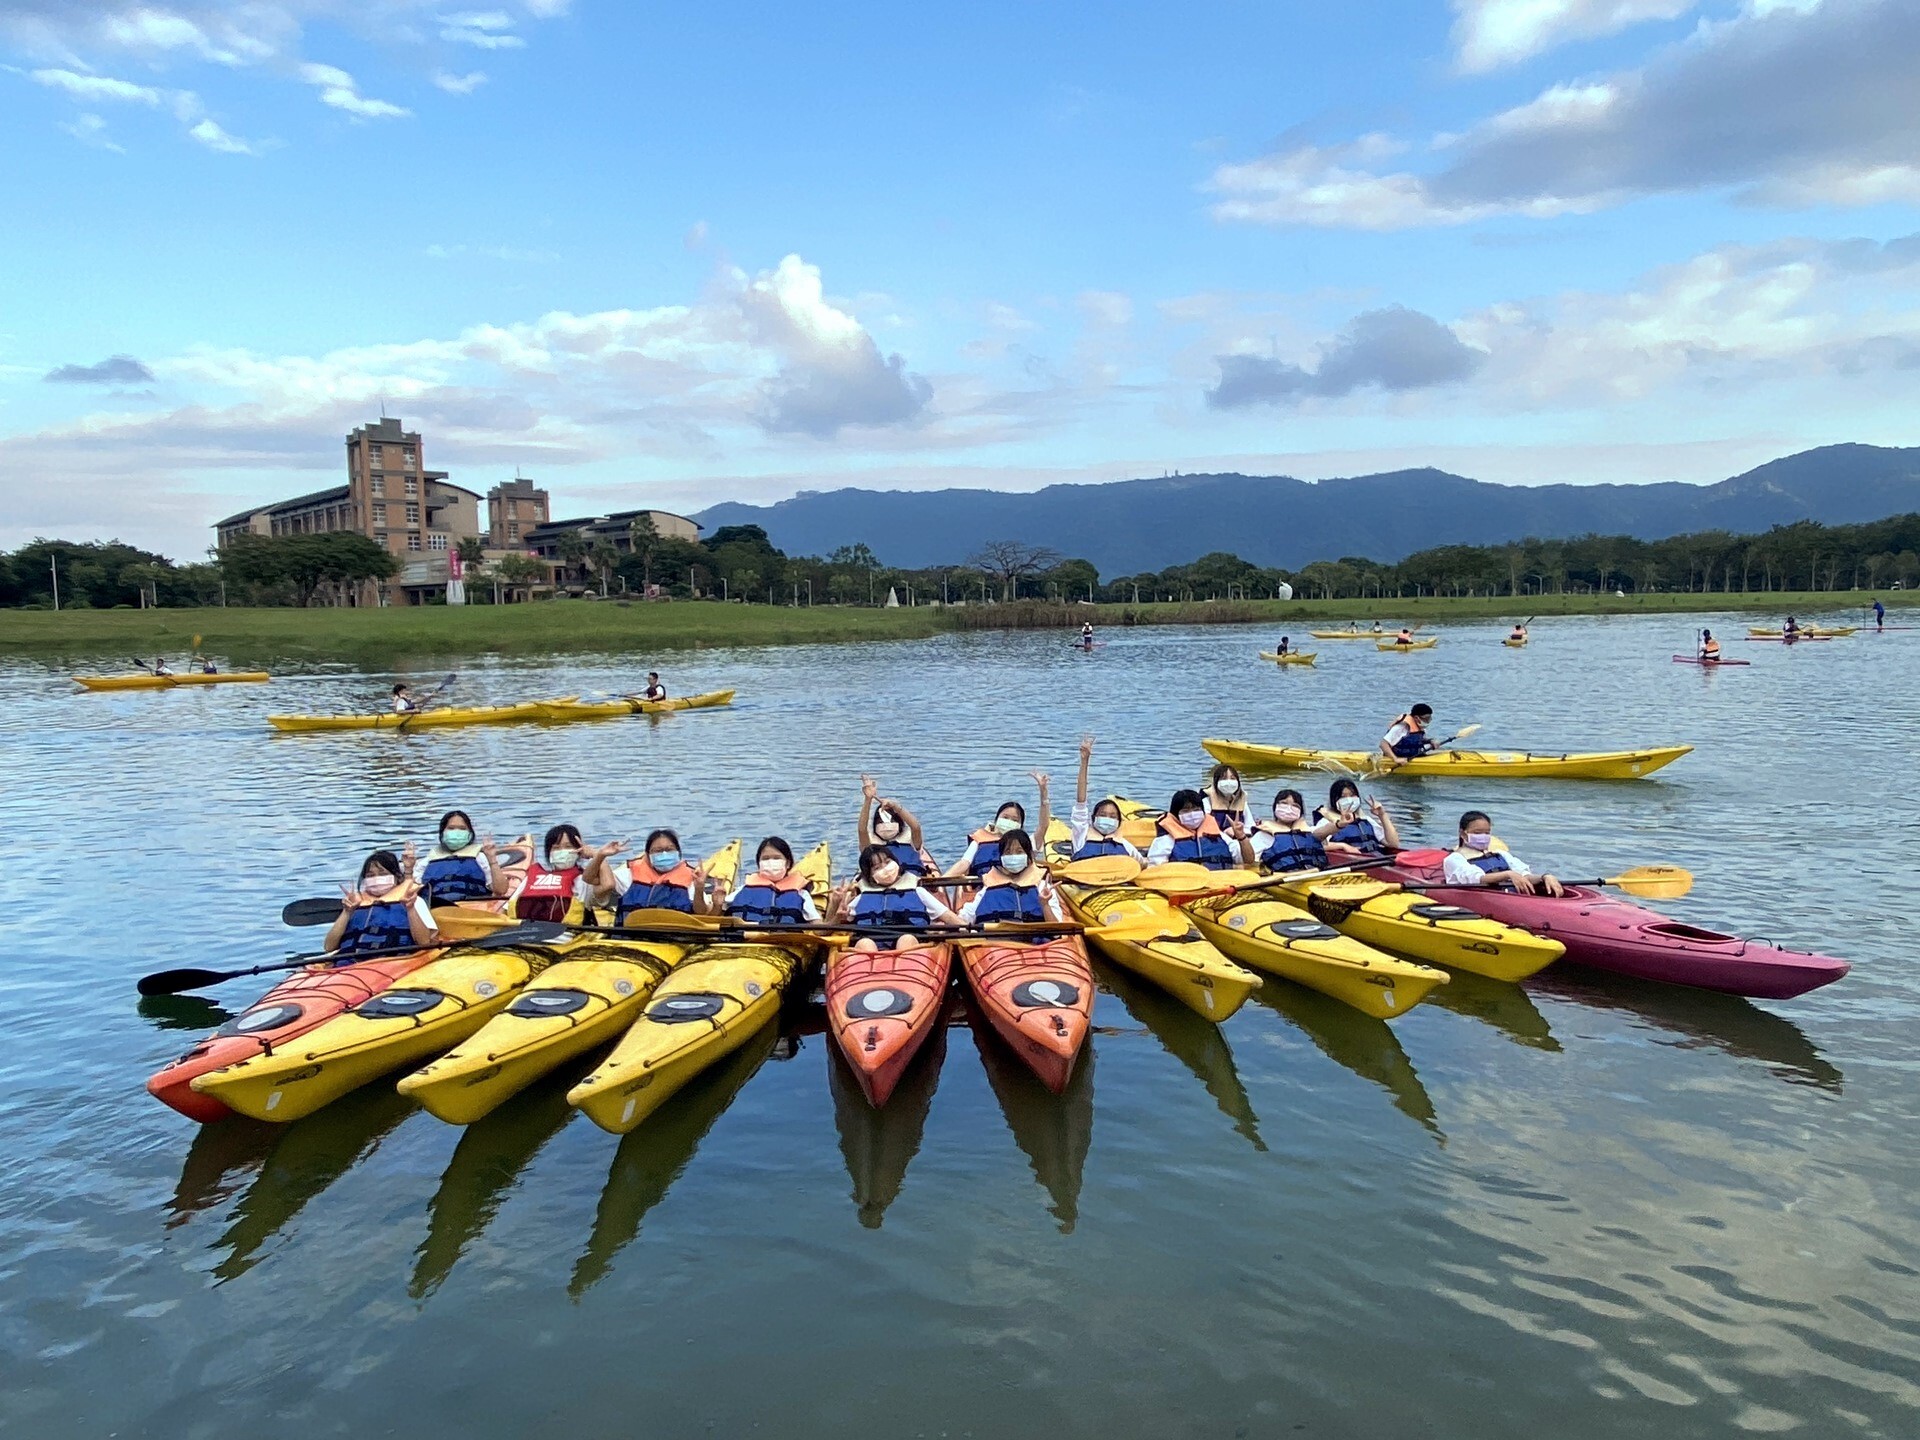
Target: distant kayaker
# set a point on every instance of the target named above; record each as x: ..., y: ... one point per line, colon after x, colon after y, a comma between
x: 658, y: 878
x: 1188, y: 834
x: 1407, y: 738
x: 1289, y: 841
x: 1709, y: 648
x: 1226, y: 797
x: 1879, y: 614
x: 1376, y: 628
x: 1475, y: 861
x: 655, y: 690
x: 1351, y: 833
x: 459, y: 867
x: 1014, y: 888
x: 983, y: 846
x: 552, y: 885
x: 1519, y: 633
x: 1405, y: 637
x: 1791, y: 630
x: 886, y: 894
x: 403, y: 701
x: 890, y: 824
x: 771, y: 894
x: 1096, y: 832
x: 383, y: 911
x: 160, y: 667
x: 207, y: 667
x: 1286, y: 647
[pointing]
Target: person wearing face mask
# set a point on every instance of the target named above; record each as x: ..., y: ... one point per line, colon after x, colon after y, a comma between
x: 549, y: 890
x: 658, y: 878
x: 1288, y: 842
x: 1187, y: 834
x: 458, y: 868
x: 890, y: 824
x: 1475, y: 861
x: 1407, y: 738
x: 983, y: 846
x: 771, y: 894
x: 1226, y: 797
x: 384, y: 911
x: 1096, y: 832
x: 1015, y: 888
x: 884, y: 893
x: 1347, y: 831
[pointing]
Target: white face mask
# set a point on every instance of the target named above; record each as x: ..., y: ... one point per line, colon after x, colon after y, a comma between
x: 773, y: 867
x: 885, y: 874
x: 1349, y: 804
x: 1191, y: 818
x: 564, y: 859
x: 1286, y: 814
x: 1229, y: 788
x: 1013, y: 864
x: 378, y: 885
x: 886, y: 829
x: 1106, y: 824
x: 1006, y: 823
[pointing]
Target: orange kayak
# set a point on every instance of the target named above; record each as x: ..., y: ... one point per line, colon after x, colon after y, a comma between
x: 881, y: 1007
x: 290, y: 1009
x: 1039, y: 997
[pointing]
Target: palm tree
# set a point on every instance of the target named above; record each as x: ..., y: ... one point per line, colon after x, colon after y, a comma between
x: 643, y: 537
x: 603, y: 559
x: 574, y: 547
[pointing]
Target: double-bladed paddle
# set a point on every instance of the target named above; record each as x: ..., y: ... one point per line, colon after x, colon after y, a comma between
x: 175, y: 982
x: 420, y: 705
x: 1650, y: 882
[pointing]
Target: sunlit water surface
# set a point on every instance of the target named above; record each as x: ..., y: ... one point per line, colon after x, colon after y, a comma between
x: 1583, y: 1209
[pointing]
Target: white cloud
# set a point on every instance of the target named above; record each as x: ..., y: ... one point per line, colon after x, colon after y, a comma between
x: 484, y: 30
x: 1492, y: 33
x: 99, y: 87
x: 209, y: 134
x: 92, y: 130
x: 1106, y: 307
x: 460, y: 84
x: 338, y: 89
x: 1788, y: 104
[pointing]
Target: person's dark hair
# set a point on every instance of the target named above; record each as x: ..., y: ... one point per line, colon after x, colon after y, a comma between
x: 1018, y: 840
x: 383, y: 860
x: 1220, y: 772
x: 1295, y: 796
x: 1107, y: 806
x: 1471, y: 816
x: 653, y: 835
x: 558, y: 833
x: 1423, y: 711
x: 773, y: 842
x: 882, y: 814
x: 870, y: 857
x: 451, y: 816
x: 1343, y: 786
x: 401, y: 688
x: 1186, y: 800
x: 1019, y: 811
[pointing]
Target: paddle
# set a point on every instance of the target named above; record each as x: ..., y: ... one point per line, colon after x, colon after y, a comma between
x: 1651, y: 882
x: 421, y: 705
x: 1183, y: 883
x: 1461, y: 734
x: 174, y: 982
x: 680, y: 926
x: 153, y: 669
x: 325, y: 909
x: 1098, y: 870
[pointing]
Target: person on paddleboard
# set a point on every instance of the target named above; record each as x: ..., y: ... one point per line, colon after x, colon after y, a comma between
x: 983, y: 846
x: 1480, y: 860
x: 884, y: 893
x: 1226, y: 797
x: 1189, y: 834
x: 1350, y: 833
x: 1015, y: 888
x: 1407, y: 738
x: 658, y: 878
x: 384, y: 910
x: 1289, y: 841
x: 460, y: 867
x: 1709, y: 647
x: 1086, y: 634
x: 890, y: 824
x: 403, y: 701
x: 771, y: 894
x: 1096, y: 832
x: 1879, y: 614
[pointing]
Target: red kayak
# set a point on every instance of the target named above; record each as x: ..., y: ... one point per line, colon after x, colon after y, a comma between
x: 881, y: 1007
x: 1629, y: 939
x: 293, y: 1007
x: 1710, y: 664
x: 1039, y: 997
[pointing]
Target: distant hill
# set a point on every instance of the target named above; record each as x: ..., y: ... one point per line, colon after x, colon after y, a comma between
x: 1129, y: 526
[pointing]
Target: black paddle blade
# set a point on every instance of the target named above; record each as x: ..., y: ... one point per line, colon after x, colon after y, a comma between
x: 532, y: 932
x: 176, y: 982
x: 320, y: 910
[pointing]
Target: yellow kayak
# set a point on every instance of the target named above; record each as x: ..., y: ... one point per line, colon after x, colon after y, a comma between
x: 1407, y: 644
x: 428, y: 1011
x: 1345, y: 634
x: 527, y: 710
x: 1812, y: 632
x: 1423, y: 927
x: 1295, y: 657
x: 1270, y: 935
x: 560, y: 710
x: 1525, y: 764
x: 167, y: 682
x: 1179, y: 960
x: 1513, y: 644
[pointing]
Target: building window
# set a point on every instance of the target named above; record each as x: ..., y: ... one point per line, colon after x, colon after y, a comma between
x: 413, y: 540
x: 413, y: 487
x: 413, y: 513
x: 381, y: 536
x: 408, y: 453
x: 374, y: 451
x: 513, y: 530
x: 436, y: 541
x: 380, y: 514
x: 377, y: 485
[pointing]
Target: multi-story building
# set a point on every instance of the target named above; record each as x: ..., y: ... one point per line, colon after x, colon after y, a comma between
x: 514, y: 510
x: 615, y: 529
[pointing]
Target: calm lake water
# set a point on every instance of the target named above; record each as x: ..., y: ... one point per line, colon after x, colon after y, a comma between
x: 1582, y: 1209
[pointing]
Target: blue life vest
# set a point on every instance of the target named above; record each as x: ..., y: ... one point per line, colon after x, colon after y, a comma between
x: 651, y: 889
x: 1293, y: 850
x: 1358, y: 834
x: 891, y: 907
x: 986, y: 852
x: 1097, y: 845
x: 1208, y: 848
x: 1491, y: 863
x: 377, y: 927
x: 452, y: 878
x: 1009, y: 902
x: 906, y: 856
x: 766, y: 904
x: 1412, y: 745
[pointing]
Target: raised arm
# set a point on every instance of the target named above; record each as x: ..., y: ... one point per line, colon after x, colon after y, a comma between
x: 1041, y: 779
x: 869, y: 794
x: 1086, y: 763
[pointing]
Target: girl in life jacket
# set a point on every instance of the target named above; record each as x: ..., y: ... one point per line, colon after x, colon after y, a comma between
x: 1289, y: 841
x: 1015, y: 889
x: 1095, y: 832
x: 549, y: 890
x: 891, y: 824
x: 658, y: 878
x: 983, y: 846
x: 1347, y: 832
x: 384, y: 911
x: 1479, y: 860
x: 1226, y: 797
x: 771, y: 894
x: 885, y: 893
x: 1189, y: 835
x: 457, y: 868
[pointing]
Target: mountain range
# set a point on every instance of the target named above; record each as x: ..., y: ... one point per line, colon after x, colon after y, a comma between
x: 1129, y: 526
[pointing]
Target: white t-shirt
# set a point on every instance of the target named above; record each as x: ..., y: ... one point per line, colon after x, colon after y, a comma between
x: 1047, y: 898
x: 1399, y: 731
x: 1460, y: 869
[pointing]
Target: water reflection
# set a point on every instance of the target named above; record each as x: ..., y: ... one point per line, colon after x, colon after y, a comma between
x: 1054, y: 1131
x: 878, y: 1145
x: 1701, y: 1018
x: 1366, y: 1046
x: 1504, y: 1006
x: 1196, y: 1042
x: 650, y: 1158
x: 184, y: 1012
x: 219, y: 1158
x: 309, y: 1156
x: 484, y: 1169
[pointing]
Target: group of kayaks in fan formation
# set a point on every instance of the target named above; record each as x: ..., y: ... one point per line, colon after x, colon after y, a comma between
x: 474, y: 970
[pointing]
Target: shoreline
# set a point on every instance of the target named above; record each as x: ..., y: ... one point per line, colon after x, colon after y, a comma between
x: 614, y: 626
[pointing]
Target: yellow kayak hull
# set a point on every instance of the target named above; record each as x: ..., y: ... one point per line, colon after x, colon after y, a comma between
x: 527, y: 710
x: 1281, y: 939
x: 713, y: 1003
x: 1810, y: 631
x: 1344, y: 634
x: 1179, y: 961
x: 1406, y: 644
x: 1427, y: 929
x: 168, y: 682
x: 1526, y: 764
x: 1512, y: 644
x: 432, y: 1009
x: 577, y: 1004
x: 564, y: 710
x: 1296, y: 657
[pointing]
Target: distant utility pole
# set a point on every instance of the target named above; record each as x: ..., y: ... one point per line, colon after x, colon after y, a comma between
x: 54, y: 560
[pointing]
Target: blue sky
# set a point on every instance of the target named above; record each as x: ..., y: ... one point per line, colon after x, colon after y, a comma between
x: 677, y: 254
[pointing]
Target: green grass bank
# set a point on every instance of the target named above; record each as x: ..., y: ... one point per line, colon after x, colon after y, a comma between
x: 265, y: 636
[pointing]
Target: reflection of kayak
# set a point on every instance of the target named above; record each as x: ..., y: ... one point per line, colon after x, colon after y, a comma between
x: 558, y: 710
x: 1358, y: 1043
x: 419, y: 720
x: 1710, y: 664
x: 1293, y: 657
x: 167, y: 682
x: 878, y: 1145
x: 1573, y: 765
x: 1053, y: 1131
x: 1202, y: 1048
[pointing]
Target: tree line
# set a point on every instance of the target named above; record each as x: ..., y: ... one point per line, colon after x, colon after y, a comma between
x: 740, y: 563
